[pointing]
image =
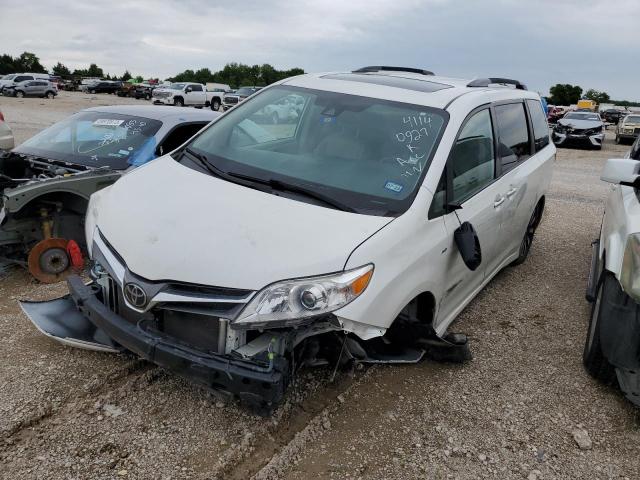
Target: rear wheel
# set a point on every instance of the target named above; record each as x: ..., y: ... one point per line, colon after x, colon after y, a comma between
x: 617, y: 140
x: 592, y: 357
x: 527, y: 240
x: 215, y: 105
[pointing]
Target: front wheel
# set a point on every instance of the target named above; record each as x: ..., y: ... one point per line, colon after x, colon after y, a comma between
x: 178, y: 102
x: 50, y: 95
x: 215, y: 105
x: 592, y: 357
x: 527, y: 240
x: 617, y: 140
x: 19, y: 94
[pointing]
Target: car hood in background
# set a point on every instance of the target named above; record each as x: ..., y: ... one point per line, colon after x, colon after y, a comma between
x: 580, y: 124
x: 170, y: 222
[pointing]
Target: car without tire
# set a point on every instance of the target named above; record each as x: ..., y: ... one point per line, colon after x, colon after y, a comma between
x: 46, y: 182
x: 353, y: 232
x: 612, y: 346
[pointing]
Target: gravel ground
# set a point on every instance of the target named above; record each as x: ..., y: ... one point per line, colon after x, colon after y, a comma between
x: 523, y: 408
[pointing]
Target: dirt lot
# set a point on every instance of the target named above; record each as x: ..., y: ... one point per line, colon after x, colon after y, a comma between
x: 509, y: 413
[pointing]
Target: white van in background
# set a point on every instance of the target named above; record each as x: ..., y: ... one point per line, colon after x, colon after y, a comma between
x: 13, y: 78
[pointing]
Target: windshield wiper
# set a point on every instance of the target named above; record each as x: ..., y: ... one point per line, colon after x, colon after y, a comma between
x: 216, y: 171
x: 289, y: 187
x: 249, y: 181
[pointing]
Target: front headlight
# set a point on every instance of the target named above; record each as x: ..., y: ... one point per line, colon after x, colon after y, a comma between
x: 630, y: 271
x: 292, y: 301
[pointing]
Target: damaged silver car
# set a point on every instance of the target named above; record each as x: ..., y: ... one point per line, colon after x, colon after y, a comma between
x: 46, y: 182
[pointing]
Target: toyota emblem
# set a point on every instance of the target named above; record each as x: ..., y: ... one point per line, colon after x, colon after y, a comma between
x: 135, y: 295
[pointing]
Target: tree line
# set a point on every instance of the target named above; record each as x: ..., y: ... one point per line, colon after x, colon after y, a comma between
x: 567, y: 94
x: 233, y: 74
x: 237, y: 75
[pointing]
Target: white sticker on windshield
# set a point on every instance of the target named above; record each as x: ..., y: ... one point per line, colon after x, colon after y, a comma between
x: 108, y: 122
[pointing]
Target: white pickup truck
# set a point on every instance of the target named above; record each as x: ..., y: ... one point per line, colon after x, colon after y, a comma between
x: 183, y: 94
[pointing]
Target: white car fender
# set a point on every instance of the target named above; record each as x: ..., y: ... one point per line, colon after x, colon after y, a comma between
x: 399, y: 252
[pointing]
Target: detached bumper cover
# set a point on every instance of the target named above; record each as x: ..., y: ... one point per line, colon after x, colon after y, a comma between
x: 251, y: 382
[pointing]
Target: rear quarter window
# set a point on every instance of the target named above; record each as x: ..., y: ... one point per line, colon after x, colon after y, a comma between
x: 540, y: 126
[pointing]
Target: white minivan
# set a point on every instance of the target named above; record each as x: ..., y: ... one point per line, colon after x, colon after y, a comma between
x: 354, y: 229
x: 15, y: 78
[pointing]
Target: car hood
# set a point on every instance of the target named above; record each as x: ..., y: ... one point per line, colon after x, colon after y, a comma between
x: 580, y: 124
x: 170, y: 222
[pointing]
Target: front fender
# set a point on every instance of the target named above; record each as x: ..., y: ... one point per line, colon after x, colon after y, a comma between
x: 83, y: 185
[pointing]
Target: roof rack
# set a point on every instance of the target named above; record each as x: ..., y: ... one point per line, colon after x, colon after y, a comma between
x: 485, y: 82
x: 383, y: 68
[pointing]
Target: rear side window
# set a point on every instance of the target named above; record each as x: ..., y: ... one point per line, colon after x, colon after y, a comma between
x: 472, y: 157
x: 513, y: 135
x: 540, y: 126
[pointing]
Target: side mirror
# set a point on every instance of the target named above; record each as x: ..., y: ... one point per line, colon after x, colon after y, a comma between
x: 623, y: 171
x: 189, y: 89
x: 468, y: 245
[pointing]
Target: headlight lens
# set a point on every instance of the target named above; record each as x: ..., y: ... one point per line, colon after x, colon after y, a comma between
x: 630, y: 272
x: 288, y: 302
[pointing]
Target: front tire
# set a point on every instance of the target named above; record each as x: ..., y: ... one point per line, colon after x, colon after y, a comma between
x: 19, y: 94
x: 592, y: 357
x: 527, y: 240
x: 617, y: 140
x: 50, y: 95
x: 178, y: 102
x: 215, y: 105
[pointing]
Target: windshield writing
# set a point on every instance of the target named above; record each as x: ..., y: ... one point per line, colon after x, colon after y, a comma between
x: 367, y: 153
x: 97, y: 139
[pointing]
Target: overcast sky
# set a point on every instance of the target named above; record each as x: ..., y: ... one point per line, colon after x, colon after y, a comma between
x: 587, y: 42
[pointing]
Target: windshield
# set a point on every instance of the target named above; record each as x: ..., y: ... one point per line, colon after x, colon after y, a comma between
x: 632, y: 119
x: 245, y: 91
x: 176, y: 86
x: 97, y: 139
x: 9, y: 77
x: 368, y: 154
x: 581, y: 116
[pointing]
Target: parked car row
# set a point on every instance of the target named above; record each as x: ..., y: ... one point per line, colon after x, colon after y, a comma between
x: 284, y: 233
x: 28, y: 85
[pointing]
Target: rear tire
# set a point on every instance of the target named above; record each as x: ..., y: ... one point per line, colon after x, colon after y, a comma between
x: 617, y: 140
x: 527, y: 240
x: 215, y: 105
x: 592, y: 357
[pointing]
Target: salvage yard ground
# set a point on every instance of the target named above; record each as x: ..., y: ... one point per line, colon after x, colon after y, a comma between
x: 524, y: 408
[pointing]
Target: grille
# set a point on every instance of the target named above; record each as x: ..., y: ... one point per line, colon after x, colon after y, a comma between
x: 161, y: 94
x: 193, y: 330
x: 230, y: 100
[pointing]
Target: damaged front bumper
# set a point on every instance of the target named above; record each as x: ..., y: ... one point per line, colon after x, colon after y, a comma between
x: 81, y: 319
x: 567, y: 138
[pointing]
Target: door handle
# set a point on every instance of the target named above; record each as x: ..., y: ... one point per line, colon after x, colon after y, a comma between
x: 511, y: 192
x: 498, y: 202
